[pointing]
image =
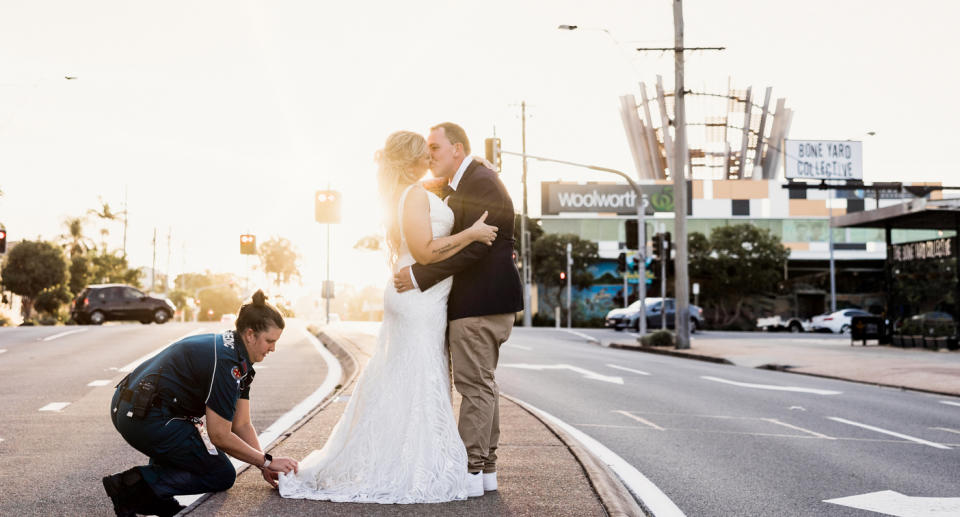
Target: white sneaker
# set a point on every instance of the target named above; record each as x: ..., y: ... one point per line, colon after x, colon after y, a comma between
x: 475, y: 485
x: 489, y: 481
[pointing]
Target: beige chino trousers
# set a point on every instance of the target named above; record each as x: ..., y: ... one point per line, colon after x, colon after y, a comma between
x: 475, y: 349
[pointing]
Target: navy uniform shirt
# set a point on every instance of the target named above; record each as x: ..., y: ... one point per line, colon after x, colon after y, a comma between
x: 206, y: 370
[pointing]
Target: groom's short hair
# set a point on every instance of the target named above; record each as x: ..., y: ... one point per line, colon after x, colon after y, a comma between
x: 455, y: 134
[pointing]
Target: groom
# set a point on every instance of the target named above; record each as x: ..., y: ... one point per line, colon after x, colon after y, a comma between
x: 485, y: 295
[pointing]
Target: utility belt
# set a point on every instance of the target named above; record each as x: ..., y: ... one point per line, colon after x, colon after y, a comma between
x: 144, y: 396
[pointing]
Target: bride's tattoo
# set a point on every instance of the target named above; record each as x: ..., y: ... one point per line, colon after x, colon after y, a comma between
x: 444, y: 249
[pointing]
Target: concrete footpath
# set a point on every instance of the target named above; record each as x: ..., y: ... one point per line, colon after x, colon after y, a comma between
x: 541, y: 470
x: 906, y: 368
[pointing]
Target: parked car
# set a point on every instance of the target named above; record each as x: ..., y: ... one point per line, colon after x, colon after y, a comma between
x: 791, y: 323
x: 836, y: 322
x: 105, y: 302
x: 619, y: 319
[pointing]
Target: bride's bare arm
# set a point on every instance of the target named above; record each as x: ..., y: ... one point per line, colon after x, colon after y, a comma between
x: 416, y: 228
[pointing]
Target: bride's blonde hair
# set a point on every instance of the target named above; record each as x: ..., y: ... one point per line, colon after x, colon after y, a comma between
x: 398, y: 169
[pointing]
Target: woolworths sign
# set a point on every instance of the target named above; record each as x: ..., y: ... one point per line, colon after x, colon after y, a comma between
x: 604, y: 198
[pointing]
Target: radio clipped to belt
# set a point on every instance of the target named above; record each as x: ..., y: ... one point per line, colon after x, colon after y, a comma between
x: 143, y: 396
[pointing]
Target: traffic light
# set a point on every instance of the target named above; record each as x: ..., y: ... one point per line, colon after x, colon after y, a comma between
x: 563, y: 275
x: 492, y: 147
x: 622, y: 263
x: 327, y: 206
x: 631, y: 228
x: 657, y: 246
x: 248, y: 244
x: 3, y: 241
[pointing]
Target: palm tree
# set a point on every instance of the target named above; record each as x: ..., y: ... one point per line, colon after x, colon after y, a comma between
x: 76, y: 241
x: 106, y: 214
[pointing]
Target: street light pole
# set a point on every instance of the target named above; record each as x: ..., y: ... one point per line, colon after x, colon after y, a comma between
x: 524, y: 237
x: 833, y: 272
x: 681, y: 288
x: 569, y: 281
x: 642, y: 258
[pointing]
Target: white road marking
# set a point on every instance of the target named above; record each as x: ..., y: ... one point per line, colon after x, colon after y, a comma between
x: 67, y: 333
x: 2, y: 350
x: 54, y: 406
x: 889, y: 502
x: 631, y: 370
x: 288, y: 419
x: 891, y: 433
x: 652, y: 497
x: 99, y: 382
x: 802, y: 430
x: 947, y: 429
x: 772, y: 387
x: 950, y: 403
x: 587, y: 374
x: 521, y: 347
x: 136, y: 362
x: 581, y: 335
x: 641, y: 420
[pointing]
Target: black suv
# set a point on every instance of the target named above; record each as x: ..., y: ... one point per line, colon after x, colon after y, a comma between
x: 102, y: 302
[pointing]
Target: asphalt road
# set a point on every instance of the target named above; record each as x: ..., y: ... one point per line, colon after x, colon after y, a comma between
x: 727, y: 440
x: 56, y: 439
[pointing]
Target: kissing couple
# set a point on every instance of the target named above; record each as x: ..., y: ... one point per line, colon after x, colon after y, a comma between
x: 454, y: 295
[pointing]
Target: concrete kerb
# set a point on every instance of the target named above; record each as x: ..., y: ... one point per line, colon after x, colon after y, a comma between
x: 615, y: 498
x: 350, y: 370
x: 674, y: 353
x: 789, y: 369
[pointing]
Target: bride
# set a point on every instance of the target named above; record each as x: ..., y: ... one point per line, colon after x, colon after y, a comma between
x: 397, y: 441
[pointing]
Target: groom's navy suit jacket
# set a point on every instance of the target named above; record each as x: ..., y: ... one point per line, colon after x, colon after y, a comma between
x: 485, y: 278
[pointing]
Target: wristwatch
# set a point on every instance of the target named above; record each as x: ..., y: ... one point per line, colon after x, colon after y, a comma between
x: 267, y: 460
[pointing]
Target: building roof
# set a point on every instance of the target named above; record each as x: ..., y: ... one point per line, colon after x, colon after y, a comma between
x: 917, y: 214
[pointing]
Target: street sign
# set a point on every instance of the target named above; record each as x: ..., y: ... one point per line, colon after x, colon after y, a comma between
x: 823, y: 159
x: 326, y: 206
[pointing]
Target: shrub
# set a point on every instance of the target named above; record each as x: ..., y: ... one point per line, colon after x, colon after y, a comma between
x: 658, y: 338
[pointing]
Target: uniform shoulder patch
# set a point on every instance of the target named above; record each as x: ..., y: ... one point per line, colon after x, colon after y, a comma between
x: 228, y: 339
x: 236, y: 373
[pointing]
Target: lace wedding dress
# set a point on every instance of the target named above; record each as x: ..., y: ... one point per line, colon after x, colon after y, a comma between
x: 397, y: 441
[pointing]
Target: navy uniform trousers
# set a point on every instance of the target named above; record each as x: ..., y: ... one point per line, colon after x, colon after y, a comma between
x: 179, y: 461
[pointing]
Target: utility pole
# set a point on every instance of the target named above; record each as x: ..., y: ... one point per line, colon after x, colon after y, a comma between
x: 153, y: 266
x: 524, y: 236
x: 681, y: 289
x: 833, y: 272
x: 680, y: 160
x: 569, y: 282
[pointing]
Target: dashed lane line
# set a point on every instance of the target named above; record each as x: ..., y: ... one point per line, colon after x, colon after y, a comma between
x: 950, y: 403
x: 631, y: 370
x: 62, y: 334
x: 521, y: 347
x: 2, y: 350
x: 947, y: 429
x: 797, y: 428
x: 772, y: 387
x: 99, y: 382
x: 129, y: 367
x: 891, y: 433
x: 643, y: 421
x: 581, y: 335
x: 55, y: 406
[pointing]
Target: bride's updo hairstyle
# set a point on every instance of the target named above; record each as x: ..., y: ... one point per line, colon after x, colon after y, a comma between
x: 398, y: 169
x: 258, y: 315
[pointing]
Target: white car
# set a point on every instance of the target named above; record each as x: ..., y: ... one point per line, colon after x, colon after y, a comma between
x: 836, y: 322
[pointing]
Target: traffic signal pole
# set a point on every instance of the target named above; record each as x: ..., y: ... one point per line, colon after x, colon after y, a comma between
x: 642, y: 258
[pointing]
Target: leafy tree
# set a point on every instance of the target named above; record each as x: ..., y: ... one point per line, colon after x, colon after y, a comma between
x: 533, y: 226
x: 216, y: 293
x: 51, y: 299
x: 81, y: 274
x: 735, y: 264
x: 32, y: 267
x: 113, y: 268
x: 550, y: 259
x: 279, y: 257
x: 77, y: 243
x: 217, y: 301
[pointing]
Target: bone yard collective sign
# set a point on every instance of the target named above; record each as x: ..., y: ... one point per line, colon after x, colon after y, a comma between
x: 609, y: 198
x: 823, y: 159
x: 922, y: 250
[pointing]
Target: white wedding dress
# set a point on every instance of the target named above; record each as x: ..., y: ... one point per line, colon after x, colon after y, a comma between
x: 397, y: 441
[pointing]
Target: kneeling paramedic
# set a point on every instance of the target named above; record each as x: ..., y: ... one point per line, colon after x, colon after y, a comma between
x: 187, y: 408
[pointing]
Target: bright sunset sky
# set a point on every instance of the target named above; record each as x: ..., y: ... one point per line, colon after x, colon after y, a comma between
x: 223, y: 117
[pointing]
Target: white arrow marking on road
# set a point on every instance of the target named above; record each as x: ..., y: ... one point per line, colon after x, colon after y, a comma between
x: 99, y: 382
x: 891, y: 433
x: 54, y: 406
x: 631, y: 370
x: 771, y: 387
x: 947, y: 429
x: 950, y: 403
x: 587, y: 374
x: 889, y: 502
x: 67, y: 333
x: 2, y: 350
x: 129, y: 368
